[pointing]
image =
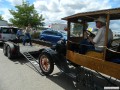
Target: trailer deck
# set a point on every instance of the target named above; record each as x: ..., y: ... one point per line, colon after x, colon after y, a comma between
x: 27, y: 52
x: 29, y: 48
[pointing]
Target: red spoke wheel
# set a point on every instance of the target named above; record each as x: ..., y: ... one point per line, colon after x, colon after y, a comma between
x: 46, y: 64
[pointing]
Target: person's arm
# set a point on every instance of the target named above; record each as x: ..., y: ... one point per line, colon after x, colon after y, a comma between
x: 86, y: 35
x: 98, y: 37
x: 90, y: 39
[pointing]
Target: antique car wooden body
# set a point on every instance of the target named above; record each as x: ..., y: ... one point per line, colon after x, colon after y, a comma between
x: 106, y: 62
x: 98, y: 61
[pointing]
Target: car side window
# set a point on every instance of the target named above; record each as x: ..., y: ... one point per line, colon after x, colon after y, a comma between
x: 6, y: 30
x: 14, y: 30
x: 52, y: 33
x: 57, y: 33
x: 46, y: 32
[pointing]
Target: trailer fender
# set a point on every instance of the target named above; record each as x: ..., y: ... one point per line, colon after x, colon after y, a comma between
x: 10, y: 44
x: 14, y: 48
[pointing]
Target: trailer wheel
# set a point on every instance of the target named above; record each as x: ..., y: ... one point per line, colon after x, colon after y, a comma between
x: 9, y: 54
x: 5, y: 50
x: 46, y: 64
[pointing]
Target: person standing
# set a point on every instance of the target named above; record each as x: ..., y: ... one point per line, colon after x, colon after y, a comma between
x: 19, y: 33
x: 27, y: 34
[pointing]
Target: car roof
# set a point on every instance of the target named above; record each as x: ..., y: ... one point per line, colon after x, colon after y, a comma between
x: 8, y: 27
x: 50, y: 30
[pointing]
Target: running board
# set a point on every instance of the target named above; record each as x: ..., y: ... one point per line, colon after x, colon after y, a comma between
x: 32, y: 60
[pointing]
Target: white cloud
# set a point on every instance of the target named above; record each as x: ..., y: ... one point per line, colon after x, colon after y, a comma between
x: 5, y: 11
x: 54, y: 10
x: 115, y: 25
x: 15, y: 2
x: 6, y: 14
x: 41, y: 6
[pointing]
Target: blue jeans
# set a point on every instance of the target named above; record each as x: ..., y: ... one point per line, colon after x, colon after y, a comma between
x: 85, y: 46
x: 27, y: 36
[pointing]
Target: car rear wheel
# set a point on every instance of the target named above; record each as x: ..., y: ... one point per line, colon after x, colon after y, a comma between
x: 46, y: 64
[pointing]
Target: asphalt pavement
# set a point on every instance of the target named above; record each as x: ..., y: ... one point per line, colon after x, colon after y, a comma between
x: 18, y: 74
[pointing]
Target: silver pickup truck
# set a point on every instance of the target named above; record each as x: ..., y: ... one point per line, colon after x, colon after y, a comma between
x: 7, y: 33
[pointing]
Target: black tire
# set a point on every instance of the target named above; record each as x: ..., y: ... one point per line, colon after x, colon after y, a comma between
x: 46, y: 64
x: 5, y: 49
x: 9, y: 53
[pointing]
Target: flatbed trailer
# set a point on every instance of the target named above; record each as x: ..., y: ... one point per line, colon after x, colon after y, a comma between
x: 14, y: 49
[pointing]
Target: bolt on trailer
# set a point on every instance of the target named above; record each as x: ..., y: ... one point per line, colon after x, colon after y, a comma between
x: 105, y: 63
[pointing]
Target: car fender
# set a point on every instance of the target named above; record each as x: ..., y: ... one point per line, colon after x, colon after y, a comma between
x: 52, y: 53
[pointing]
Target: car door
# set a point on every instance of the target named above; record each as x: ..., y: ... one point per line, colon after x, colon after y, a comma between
x: 50, y: 36
x: 46, y: 35
x: 56, y: 36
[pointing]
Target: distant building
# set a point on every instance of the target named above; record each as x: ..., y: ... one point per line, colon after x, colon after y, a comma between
x: 58, y: 26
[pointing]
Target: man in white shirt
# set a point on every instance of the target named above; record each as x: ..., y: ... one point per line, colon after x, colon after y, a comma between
x: 98, y: 41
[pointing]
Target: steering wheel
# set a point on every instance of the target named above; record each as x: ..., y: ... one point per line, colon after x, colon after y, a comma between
x: 90, y: 34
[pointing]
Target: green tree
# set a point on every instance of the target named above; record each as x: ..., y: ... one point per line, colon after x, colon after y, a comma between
x: 26, y: 14
x: 1, y: 18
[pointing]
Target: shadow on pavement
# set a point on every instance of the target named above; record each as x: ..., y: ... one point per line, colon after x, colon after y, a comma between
x: 65, y: 82
x: 62, y: 80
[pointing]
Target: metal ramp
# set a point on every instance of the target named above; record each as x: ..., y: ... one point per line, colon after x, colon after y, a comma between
x: 33, y: 61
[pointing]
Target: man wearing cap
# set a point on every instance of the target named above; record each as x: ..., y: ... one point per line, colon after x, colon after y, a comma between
x: 97, y: 42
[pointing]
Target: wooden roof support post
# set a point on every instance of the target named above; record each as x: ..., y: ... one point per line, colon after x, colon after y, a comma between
x: 106, y: 34
x: 68, y: 32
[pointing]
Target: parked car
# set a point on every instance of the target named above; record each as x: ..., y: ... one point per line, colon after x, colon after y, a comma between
x: 7, y: 33
x: 52, y: 36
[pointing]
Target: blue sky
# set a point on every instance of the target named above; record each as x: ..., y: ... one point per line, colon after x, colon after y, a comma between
x: 54, y: 10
